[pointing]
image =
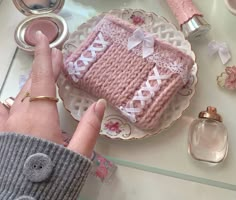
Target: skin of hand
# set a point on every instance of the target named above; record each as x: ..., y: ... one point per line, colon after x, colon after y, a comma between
x: 40, y: 118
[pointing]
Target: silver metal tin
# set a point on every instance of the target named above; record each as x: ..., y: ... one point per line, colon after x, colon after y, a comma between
x: 20, y: 5
x: 59, y: 21
x: 195, y: 28
x: 33, y: 15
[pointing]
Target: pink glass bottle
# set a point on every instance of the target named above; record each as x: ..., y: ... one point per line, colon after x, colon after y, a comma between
x: 190, y: 19
x: 208, y: 138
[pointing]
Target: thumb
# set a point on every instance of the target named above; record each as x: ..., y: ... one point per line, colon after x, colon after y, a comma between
x: 85, y: 136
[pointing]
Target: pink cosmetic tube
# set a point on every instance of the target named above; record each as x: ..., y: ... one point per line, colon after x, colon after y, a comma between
x: 190, y: 19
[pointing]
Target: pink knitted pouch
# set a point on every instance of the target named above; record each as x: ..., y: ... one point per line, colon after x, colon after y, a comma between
x: 137, y: 73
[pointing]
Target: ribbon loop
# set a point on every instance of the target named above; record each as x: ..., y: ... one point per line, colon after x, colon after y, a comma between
x: 139, y: 37
x: 222, y: 49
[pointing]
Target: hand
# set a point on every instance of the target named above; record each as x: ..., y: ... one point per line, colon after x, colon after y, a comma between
x: 40, y: 118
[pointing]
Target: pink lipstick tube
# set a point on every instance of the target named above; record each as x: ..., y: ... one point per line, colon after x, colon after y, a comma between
x: 190, y: 19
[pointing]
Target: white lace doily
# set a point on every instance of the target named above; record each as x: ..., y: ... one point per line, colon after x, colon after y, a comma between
x: 114, y: 125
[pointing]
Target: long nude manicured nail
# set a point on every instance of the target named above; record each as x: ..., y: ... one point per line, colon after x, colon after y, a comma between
x: 100, y: 108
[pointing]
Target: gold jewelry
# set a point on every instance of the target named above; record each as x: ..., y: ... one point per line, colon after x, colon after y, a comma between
x: 37, y: 98
x: 46, y: 98
x: 8, y: 102
x: 27, y: 94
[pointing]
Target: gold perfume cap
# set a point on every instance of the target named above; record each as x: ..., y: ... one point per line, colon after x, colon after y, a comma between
x: 210, y: 113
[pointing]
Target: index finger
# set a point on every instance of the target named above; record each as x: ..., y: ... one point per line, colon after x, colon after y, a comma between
x: 42, y: 73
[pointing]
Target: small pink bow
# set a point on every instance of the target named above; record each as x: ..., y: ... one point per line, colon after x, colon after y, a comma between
x: 230, y: 81
x: 139, y: 37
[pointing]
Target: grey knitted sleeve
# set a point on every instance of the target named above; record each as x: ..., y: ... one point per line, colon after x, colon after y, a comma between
x: 36, y: 169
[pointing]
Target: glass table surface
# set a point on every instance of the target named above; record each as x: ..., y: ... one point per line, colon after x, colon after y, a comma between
x: 164, y: 155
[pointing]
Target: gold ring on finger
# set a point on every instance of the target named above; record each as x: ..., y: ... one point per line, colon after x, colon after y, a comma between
x: 38, y: 98
x: 27, y: 94
x: 45, y: 98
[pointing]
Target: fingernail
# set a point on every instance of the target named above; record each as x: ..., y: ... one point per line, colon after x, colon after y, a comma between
x: 54, y: 52
x: 39, y: 35
x: 100, y: 108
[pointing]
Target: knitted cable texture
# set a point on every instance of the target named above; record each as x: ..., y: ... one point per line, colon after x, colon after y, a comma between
x: 141, y: 88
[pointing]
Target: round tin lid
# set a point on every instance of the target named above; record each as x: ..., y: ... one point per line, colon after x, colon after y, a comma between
x: 38, y: 7
x: 22, y: 27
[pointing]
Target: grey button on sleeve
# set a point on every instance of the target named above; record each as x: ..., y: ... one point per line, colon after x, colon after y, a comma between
x: 35, y: 169
x: 25, y: 198
x: 38, y: 167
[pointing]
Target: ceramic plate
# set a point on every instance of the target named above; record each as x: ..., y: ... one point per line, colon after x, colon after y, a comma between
x: 114, y: 125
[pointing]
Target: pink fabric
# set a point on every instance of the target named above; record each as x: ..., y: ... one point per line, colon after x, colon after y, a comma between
x: 117, y: 74
x: 230, y: 82
x: 184, y: 10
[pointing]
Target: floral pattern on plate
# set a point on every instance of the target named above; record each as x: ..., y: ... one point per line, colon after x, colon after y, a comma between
x: 137, y: 19
x: 113, y: 126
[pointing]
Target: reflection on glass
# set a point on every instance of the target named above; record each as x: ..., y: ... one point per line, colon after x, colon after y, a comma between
x: 39, y: 4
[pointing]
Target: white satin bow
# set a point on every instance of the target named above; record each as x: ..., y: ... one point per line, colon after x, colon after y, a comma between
x: 221, y: 48
x: 139, y: 37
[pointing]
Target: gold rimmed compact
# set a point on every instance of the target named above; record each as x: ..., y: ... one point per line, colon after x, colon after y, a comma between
x: 41, y: 15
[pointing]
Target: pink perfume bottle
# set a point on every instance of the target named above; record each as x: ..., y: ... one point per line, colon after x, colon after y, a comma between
x: 190, y: 19
x: 208, y: 139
